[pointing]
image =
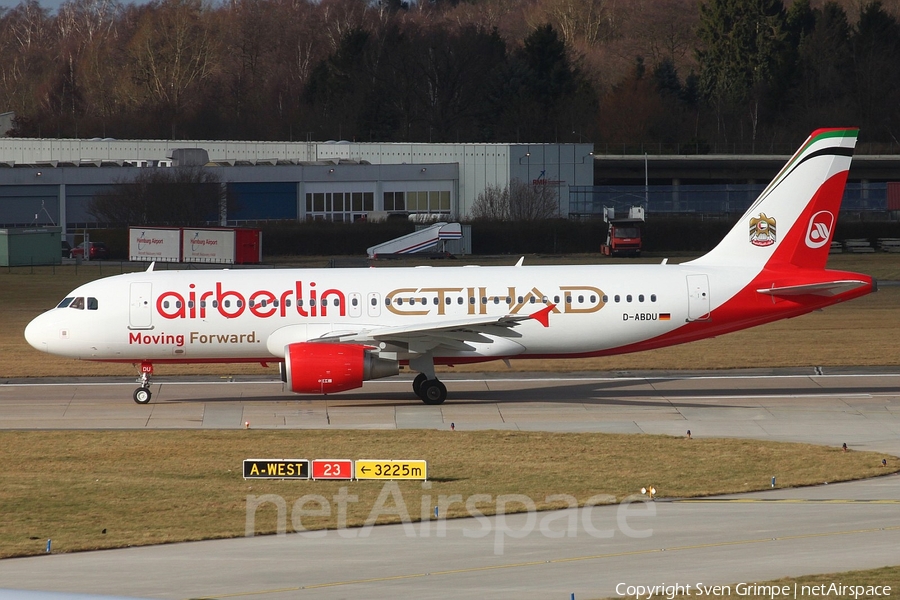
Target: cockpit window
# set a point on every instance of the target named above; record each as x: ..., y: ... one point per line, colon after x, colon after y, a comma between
x: 65, y: 302
x: 77, y: 303
x: 92, y: 304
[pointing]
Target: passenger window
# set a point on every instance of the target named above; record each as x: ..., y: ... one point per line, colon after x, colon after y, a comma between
x: 568, y: 299
x: 334, y: 302
x: 354, y: 301
x: 78, y: 303
x: 555, y: 299
x: 65, y: 302
x: 215, y: 304
x: 287, y: 302
x: 459, y: 300
x: 652, y: 297
x: 641, y: 298
x: 375, y: 301
x: 617, y: 298
x: 605, y: 298
x: 92, y: 304
x: 628, y: 298
x: 593, y: 298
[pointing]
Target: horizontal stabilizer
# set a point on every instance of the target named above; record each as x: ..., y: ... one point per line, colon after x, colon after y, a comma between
x: 825, y: 288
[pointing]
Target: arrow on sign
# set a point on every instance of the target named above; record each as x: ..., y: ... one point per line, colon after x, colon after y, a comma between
x: 365, y: 469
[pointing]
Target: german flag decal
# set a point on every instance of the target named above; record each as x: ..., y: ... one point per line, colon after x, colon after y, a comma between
x: 665, y: 316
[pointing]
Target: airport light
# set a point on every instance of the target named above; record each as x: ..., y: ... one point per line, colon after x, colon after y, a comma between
x: 651, y: 491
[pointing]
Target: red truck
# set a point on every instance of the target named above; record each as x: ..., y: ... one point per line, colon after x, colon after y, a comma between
x: 623, y: 238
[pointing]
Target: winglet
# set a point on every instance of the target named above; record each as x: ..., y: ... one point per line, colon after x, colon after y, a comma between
x: 543, y: 316
x: 521, y: 260
x: 152, y: 264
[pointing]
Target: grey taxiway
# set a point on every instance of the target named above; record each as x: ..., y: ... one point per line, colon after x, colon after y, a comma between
x: 589, y: 552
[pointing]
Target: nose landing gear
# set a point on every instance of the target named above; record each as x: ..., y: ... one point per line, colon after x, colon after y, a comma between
x: 142, y: 395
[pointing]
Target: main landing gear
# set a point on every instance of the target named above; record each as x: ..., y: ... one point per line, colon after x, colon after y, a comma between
x: 142, y: 395
x: 426, y: 384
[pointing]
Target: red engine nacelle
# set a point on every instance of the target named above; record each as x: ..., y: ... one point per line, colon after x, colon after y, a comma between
x: 312, y: 368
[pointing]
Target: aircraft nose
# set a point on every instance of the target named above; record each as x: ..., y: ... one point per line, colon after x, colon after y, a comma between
x: 36, y: 333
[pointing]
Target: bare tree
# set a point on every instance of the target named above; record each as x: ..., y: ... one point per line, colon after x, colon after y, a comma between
x: 529, y: 202
x: 180, y: 196
x: 519, y: 201
x: 492, y: 204
x: 171, y: 53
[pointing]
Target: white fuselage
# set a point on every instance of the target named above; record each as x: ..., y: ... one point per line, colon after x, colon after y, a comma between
x: 243, y: 315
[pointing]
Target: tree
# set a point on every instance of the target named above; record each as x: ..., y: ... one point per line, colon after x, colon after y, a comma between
x: 170, y: 55
x: 179, y: 196
x: 820, y: 93
x: 532, y: 202
x: 519, y: 201
x: 742, y: 58
x: 876, y: 67
x: 492, y: 204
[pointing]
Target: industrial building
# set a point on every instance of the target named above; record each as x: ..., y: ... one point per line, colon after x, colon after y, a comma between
x: 51, y: 181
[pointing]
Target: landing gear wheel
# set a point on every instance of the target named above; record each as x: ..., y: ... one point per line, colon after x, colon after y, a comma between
x: 417, y: 384
x: 142, y: 395
x: 433, y: 392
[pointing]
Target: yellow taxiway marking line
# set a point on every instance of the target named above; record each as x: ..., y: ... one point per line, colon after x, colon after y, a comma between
x: 547, y: 562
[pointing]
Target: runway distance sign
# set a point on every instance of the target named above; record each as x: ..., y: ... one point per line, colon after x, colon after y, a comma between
x: 391, y: 469
x: 331, y: 468
x: 276, y: 468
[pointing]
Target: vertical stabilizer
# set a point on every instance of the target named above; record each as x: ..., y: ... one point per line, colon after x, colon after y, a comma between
x: 793, y: 219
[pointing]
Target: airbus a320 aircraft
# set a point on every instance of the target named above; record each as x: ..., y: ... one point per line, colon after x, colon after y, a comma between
x: 333, y: 329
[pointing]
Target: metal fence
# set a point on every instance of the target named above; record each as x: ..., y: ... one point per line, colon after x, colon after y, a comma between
x: 741, y: 148
x: 587, y: 202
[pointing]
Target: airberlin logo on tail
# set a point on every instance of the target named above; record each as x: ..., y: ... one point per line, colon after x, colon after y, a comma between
x: 819, y: 231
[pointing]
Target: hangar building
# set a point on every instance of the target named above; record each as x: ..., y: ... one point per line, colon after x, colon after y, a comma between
x: 51, y: 181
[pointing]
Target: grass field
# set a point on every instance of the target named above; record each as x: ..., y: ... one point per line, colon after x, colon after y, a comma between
x: 105, y: 489
x: 858, y: 333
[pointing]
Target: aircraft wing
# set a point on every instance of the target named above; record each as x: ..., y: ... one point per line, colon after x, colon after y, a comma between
x: 422, y: 337
x: 826, y: 288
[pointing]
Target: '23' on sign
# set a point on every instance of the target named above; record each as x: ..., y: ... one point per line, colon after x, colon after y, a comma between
x: 328, y: 468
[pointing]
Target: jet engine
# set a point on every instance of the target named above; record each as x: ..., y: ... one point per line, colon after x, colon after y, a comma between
x: 312, y: 368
